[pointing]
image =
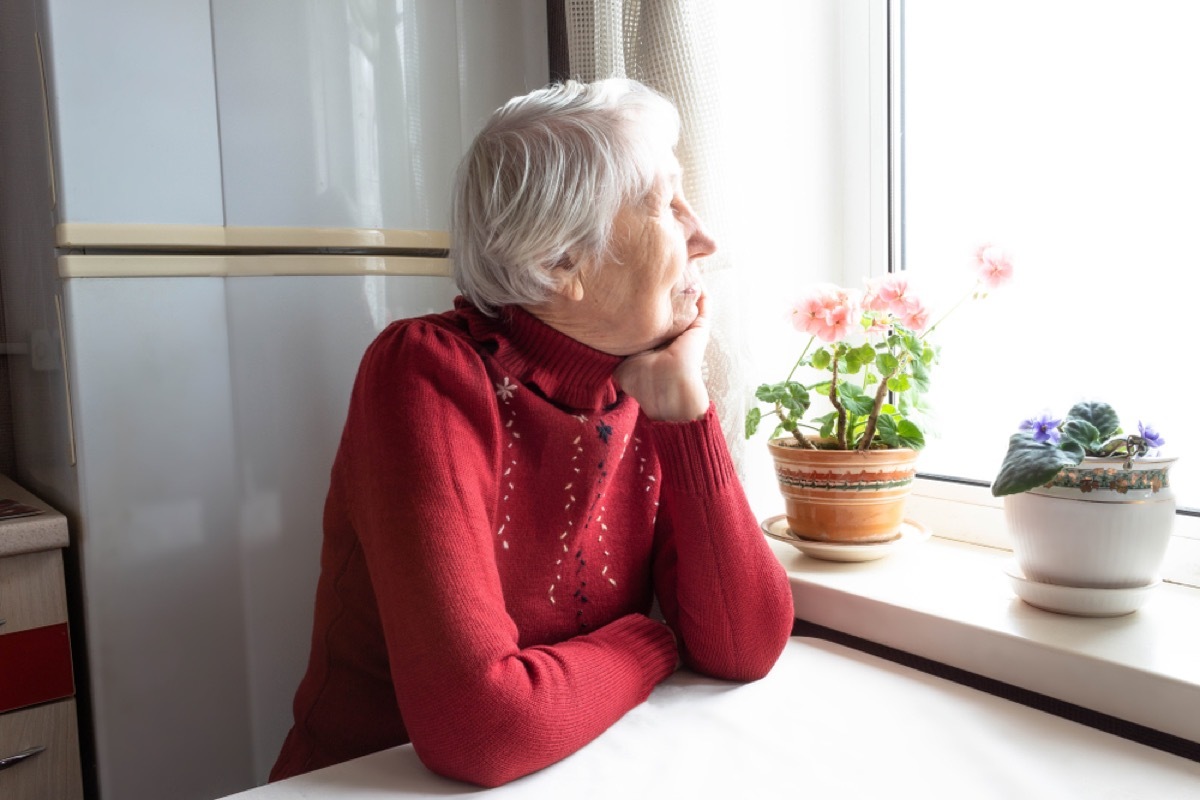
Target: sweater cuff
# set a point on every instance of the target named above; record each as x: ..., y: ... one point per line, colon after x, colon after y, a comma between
x: 650, y: 645
x: 694, y: 456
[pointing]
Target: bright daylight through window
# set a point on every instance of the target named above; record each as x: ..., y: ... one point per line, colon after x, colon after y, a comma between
x: 1065, y: 132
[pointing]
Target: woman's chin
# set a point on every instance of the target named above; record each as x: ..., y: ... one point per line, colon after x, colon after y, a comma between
x: 686, y: 310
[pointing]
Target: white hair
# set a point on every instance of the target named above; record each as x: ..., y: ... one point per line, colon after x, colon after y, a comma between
x: 545, y: 179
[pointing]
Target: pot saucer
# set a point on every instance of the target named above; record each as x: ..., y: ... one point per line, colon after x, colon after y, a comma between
x: 911, y: 533
x: 1079, y: 601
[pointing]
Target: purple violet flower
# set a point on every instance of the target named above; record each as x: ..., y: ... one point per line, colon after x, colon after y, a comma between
x: 1152, y: 436
x: 1045, y: 428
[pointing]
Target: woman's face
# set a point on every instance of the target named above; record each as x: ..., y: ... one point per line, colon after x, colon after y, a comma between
x: 645, y: 292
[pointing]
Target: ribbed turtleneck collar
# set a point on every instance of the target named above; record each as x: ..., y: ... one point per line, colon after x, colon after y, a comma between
x: 565, y: 370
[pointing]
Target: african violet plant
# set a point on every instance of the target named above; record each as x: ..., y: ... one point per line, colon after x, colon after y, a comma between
x: 1044, y: 445
x: 870, y: 346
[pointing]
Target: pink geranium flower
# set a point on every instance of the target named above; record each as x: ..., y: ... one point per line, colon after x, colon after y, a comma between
x: 993, y: 265
x: 873, y: 300
x: 915, y: 316
x: 829, y: 313
x: 892, y: 293
x: 892, y: 290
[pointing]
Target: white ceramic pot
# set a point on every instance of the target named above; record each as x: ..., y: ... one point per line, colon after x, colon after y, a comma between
x: 1097, y: 525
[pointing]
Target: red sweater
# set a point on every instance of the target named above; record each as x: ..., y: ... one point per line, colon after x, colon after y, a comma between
x: 498, y: 523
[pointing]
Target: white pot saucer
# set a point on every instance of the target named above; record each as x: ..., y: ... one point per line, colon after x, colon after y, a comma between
x: 911, y: 533
x: 1077, y: 600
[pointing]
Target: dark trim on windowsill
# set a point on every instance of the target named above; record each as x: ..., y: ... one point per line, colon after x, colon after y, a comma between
x: 1084, y: 716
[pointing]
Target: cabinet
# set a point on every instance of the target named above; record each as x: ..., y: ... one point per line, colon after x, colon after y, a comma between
x: 39, y: 742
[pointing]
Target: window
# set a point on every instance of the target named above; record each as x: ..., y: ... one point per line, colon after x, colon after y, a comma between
x: 1059, y: 129
x: 1066, y: 132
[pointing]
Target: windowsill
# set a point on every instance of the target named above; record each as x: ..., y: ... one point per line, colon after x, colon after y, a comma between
x: 951, y: 602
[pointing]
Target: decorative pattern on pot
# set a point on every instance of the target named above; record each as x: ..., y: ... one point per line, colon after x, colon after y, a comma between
x: 1145, y: 478
x: 844, y: 496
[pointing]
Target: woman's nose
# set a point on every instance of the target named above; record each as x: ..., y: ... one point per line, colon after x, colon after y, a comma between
x: 700, y: 243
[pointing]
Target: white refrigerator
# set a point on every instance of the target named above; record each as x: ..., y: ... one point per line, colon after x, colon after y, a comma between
x: 210, y: 207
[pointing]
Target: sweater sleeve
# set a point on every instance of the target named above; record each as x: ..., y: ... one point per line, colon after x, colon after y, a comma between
x: 719, y: 585
x: 423, y: 444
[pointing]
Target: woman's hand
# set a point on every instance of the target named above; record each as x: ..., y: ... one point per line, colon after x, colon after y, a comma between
x: 668, y: 382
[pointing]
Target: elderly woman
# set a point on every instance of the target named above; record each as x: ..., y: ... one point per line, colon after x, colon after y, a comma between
x: 519, y: 478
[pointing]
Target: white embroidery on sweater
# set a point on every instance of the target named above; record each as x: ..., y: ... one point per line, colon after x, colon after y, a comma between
x: 506, y: 390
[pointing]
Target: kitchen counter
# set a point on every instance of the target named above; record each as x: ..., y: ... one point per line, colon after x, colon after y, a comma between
x: 39, y: 736
x: 828, y: 721
x: 45, y: 531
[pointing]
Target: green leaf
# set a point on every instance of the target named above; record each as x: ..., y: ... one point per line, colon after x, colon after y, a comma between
x: 855, y: 399
x: 920, y: 375
x: 1075, y: 450
x: 795, y: 399
x: 753, y: 418
x: 866, y: 353
x: 821, y: 359
x: 852, y: 363
x: 1100, y: 415
x: 789, y: 394
x: 827, y: 423
x: 887, y: 363
x: 885, y: 430
x: 769, y: 392
x: 1030, y: 463
x: 899, y: 383
x: 1079, y: 431
x: 910, y: 435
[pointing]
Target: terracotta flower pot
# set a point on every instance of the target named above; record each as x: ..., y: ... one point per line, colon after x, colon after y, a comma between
x: 844, y: 495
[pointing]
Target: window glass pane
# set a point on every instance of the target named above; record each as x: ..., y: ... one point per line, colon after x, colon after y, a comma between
x: 1067, y: 132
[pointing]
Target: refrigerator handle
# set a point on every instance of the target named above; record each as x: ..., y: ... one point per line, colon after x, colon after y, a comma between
x: 66, y: 373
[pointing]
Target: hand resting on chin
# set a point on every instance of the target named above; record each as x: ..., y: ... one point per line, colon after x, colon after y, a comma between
x: 668, y: 382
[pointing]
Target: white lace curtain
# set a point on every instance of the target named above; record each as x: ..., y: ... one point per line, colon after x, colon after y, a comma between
x: 668, y: 45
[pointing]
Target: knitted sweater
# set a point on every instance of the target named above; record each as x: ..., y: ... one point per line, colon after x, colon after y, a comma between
x: 499, y: 520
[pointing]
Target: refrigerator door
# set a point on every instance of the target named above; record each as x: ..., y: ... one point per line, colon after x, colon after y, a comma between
x: 354, y: 115
x: 200, y: 505
x: 295, y: 344
x: 134, y: 111
x: 157, y: 535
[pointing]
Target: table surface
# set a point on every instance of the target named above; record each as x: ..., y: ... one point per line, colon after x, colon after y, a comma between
x: 829, y: 721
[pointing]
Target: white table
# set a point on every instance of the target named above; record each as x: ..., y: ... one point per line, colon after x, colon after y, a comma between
x: 828, y: 722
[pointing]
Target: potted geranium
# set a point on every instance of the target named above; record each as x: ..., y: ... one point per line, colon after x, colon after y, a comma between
x: 847, y: 429
x: 1087, y: 504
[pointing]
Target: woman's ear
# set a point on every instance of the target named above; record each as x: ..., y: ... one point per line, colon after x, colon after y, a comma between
x: 570, y: 278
